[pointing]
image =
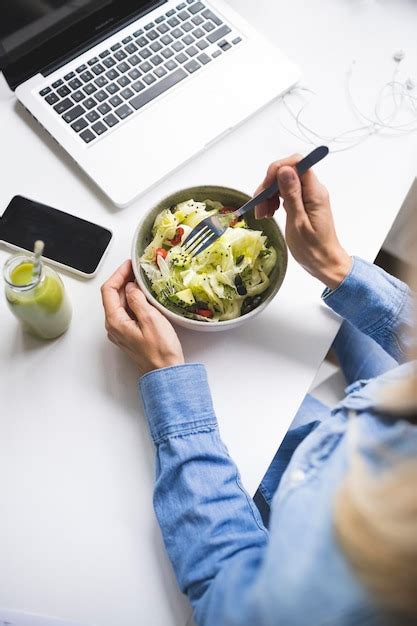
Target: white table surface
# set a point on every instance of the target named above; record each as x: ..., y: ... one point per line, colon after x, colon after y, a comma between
x: 78, y: 537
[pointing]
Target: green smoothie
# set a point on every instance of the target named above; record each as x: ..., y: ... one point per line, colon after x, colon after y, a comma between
x: 40, y: 303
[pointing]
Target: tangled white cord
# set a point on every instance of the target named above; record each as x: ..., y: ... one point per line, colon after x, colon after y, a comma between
x: 397, y: 92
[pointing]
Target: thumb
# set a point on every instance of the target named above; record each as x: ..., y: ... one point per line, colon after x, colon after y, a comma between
x: 290, y: 190
x: 136, y: 299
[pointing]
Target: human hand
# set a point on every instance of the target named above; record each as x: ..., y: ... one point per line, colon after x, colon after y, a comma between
x: 310, y: 232
x: 136, y: 326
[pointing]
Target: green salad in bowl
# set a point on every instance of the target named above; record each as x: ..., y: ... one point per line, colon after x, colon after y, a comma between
x: 228, y: 283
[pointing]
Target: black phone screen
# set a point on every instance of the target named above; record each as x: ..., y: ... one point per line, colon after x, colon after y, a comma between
x: 68, y: 239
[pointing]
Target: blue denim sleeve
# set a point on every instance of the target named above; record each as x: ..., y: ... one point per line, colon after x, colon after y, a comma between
x: 378, y: 304
x: 211, y: 528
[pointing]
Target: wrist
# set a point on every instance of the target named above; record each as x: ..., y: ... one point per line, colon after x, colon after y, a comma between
x: 335, y: 271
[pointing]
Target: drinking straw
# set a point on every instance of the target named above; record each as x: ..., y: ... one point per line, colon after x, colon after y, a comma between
x: 37, y: 249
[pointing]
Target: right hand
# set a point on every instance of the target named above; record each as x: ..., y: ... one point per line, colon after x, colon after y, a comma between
x: 310, y: 231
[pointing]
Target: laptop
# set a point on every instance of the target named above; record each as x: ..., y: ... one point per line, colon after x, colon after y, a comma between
x: 132, y: 89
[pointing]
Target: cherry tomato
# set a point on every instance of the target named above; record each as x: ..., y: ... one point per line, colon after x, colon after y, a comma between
x: 227, y: 209
x: 204, y: 312
x: 161, y: 252
x: 178, y: 236
x: 234, y: 222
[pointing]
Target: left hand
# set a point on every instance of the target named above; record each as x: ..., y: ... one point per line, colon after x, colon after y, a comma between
x: 136, y: 326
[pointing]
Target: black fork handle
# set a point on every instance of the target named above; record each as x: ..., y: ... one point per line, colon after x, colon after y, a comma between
x: 302, y: 166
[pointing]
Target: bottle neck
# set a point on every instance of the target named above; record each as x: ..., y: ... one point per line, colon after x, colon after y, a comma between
x: 18, y: 275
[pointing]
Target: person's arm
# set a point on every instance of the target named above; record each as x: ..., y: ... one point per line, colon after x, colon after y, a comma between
x: 211, y: 528
x: 375, y: 302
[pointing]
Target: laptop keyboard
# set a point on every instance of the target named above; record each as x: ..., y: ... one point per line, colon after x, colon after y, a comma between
x: 120, y: 80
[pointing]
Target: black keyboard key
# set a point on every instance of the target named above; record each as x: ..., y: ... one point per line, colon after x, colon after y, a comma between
x: 170, y: 65
x: 209, y: 15
x: 159, y: 88
x: 160, y: 72
x: 112, y: 88
x: 127, y: 39
x: 115, y: 101
x: 92, y: 61
x: 159, y: 19
x: 145, y: 53
x: 202, y: 44
x: 134, y: 60
x: 145, y: 67
x: 155, y: 46
x: 138, y: 33
x: 216, y: 54
x: 174, y: 21
x: 63, y: 91
x: 187, y: 27
x: 127, y: 93
x: 135, y: 74
x: 73, y: 113
x: 123, y: 81
x: 152, y: 34
x: 104, y: 108
x: 79, y: 124
x: 197, y: 20
x: 77, y: 96
x: 112, y: 74
x: 111, y: 120
x: 219, y: 33
x: 104, y: 54
x: 149, y: 79
x: 109, y: 62
x: 45, y: 91
x: 123, y: 67
x: 75, y: 83
x: 178, y: 46
x: 89, y: 89
x: 149, y: 26
x: 86, y: 76
x: 192, y: 51
x: 204, y: 58
x: 166, y: 40
x: 120, y: 55
x: 184, y: 15
x: 157, y: 60
x: 236, y: 40
x: 163, y: 28
x: 57, y: 83
x: 190, y: 1
x: 52, y: 98
x: 101, y: 96
x: 209, y: 26
x: 198, y: 33
x: 167, y: 53
x: 64, y: 105
x: 115, y: 46
x: 69, y: 76
x: 181, y: 6
x: 169, y: 13
x: 198, y: 6
x: 181, y: 57
x: 92, y: 116
x: 192, y: 66
x: 101, y: 81
x: 188, y: 39
x: 177, y: 33
x: 124, y: 111
x: 98, y: 69
x: 87, y: 135
x: 138, y: 86
x: 81, y: 68
x: 142, y: 41
x: 131, y: 48
x: 89, y: 103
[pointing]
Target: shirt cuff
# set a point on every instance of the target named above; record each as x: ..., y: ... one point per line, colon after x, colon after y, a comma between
x: 177, y: 401
x: 367, y: 297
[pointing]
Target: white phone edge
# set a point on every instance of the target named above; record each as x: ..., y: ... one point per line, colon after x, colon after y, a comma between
x: 68, y: 268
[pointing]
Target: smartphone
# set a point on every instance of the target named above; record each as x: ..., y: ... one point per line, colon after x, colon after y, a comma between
x: 70, y: 242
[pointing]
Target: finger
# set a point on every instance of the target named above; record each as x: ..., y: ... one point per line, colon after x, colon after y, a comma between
x: 268, y: 207
x: 113, y: 305
x: 139, y: 305
x: 264, y: 209
x: 291, y: 192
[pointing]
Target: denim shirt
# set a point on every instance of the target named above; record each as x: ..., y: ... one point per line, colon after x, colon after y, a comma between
x: 233, y: 570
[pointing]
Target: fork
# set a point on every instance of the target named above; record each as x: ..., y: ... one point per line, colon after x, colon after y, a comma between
x: 211, y: 228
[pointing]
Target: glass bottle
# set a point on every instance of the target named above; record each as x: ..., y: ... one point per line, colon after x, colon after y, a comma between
x: 40, y: 303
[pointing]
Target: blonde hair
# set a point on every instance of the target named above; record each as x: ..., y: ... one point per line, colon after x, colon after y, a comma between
x: 375, y: 516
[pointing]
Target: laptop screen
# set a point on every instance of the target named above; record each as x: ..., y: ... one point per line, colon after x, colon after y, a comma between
x: 26, y: 25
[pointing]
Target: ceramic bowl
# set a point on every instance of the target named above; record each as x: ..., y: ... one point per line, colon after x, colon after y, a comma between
x: 228, y: 197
